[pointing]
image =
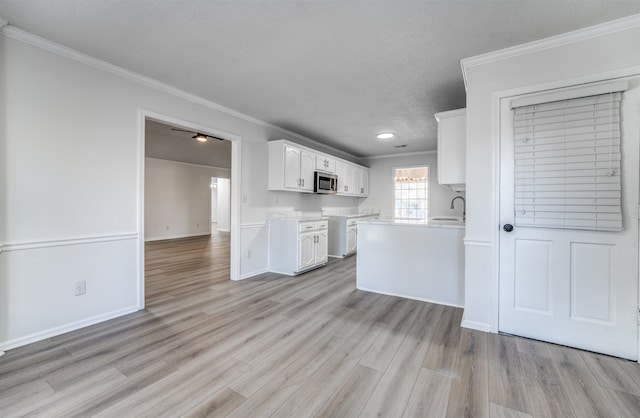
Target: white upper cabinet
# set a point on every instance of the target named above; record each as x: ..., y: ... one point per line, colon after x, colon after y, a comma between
x: 353, y: 180
x: 325, y: 163
x: 452, y: 148
x: 344, y: 171
x: 307, y: 170
x: 361, y: 182
x: 292, y: 168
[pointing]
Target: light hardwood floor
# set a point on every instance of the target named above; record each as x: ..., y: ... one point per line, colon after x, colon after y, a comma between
x: 302, y: 346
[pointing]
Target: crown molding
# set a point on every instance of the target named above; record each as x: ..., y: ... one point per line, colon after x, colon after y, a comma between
x: 58, y: 49
x: 601, y: 29
x: 404, y: 154
x: 450, y: 113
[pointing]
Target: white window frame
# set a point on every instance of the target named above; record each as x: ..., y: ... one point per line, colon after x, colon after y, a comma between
x: 393, y: 189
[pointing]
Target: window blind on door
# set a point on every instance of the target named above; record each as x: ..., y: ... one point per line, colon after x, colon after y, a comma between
x: 567, y: 164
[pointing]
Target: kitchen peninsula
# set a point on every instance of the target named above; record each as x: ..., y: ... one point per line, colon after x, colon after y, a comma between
x: 421, y: 260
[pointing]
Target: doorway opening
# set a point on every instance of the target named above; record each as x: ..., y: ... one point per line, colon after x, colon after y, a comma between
x: 181, y: 253
x: 220, y: 204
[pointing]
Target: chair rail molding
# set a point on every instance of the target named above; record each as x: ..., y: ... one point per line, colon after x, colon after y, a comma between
x: 32, y: 245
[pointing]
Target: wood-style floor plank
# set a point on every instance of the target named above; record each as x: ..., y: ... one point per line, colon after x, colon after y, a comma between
x: 392, y: 393
x: 507, y: 386
x: 429, y: 396
x: 469, y: 394
x: 547, y: 394
x: 304, y: 346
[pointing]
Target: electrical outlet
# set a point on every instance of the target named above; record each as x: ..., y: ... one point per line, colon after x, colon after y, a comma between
x: 166, y: 227
x: 249, y: 254
x: 81, y: 287
x: 197, y: 225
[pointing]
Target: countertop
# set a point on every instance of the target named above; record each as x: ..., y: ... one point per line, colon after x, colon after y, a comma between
x: 423, y: 224
x: 355, y: 215
x: 301, y: 219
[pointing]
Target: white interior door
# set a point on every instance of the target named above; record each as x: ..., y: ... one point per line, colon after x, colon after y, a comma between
x: 572, y: 287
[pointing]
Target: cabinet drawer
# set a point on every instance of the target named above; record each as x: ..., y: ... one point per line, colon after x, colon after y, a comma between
x: 313, y: 226
x: 306, y: 226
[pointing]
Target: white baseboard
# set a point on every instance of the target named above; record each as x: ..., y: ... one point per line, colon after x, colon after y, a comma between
x: 199, y: 234
x: 52, y: 332
x: 253, y: 273
x: 223, y: 230
x: 438, y: 302
x: 478, y: 326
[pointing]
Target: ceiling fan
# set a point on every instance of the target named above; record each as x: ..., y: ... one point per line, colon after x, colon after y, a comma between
x: 198, y: 136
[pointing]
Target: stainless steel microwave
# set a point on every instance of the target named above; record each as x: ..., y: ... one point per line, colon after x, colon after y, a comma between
x: 325, y: 183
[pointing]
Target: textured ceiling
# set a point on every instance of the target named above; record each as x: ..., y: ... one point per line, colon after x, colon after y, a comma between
x: 335, y: 71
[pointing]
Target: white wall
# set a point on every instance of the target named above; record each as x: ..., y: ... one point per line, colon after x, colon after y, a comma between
x: 214, y: 199
x: 587, y: 57
x: 71, y: 156
x: 224, y: 205
x: 381, y: 185
x: 177, y: 200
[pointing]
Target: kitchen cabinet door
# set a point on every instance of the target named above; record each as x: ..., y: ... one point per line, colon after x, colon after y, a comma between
x: 322, y: 245
x: 345, y: 178
x: 326, y: 164
x: 352, y: 239
x: 291, y: 167
x: 307, y: 170
x: 360, y: 181
x: 306, y: 256
x: 364, y: 183
x: 452, y: 145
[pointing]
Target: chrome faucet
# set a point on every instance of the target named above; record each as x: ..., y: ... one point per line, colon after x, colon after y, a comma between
x: 464, y: 207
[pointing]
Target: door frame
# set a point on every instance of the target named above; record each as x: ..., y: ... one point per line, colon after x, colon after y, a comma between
x: 236, y: 159
x: 496, y: 123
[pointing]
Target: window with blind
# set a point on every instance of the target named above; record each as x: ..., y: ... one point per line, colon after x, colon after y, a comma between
x: 411, y: 193
x: 567, y: 163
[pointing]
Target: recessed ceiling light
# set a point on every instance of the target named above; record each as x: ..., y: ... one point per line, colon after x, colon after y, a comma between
x: 385, y: 135
x: 200, y: 137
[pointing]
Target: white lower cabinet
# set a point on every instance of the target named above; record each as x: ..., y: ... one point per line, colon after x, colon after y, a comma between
x: 352, y: 239
x: 297, y: 245
x: 343, y: 235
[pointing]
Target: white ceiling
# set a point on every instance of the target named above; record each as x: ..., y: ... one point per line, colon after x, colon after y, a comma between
x: 335, y: 71
x: 162, y: 142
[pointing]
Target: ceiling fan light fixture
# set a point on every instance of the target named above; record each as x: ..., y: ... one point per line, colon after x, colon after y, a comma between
x: 200, y: 137
x: 385, y: 135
